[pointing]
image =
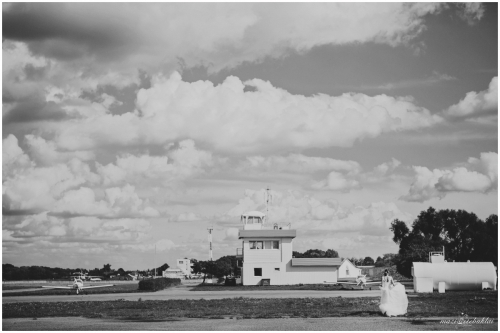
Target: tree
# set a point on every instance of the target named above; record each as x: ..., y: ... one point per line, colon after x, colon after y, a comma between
x: 221, y: 268
x: 379, y: 262
x: 463, y: 235
x: 204, y: 267
x: 162, y: 268
x: 368, y: 261
x: 389, y: 259
x: 233, y: 262
x: 330, y: 253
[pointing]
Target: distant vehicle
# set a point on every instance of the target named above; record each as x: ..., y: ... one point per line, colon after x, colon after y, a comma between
x: 78, y: 286
x: 95, y: 279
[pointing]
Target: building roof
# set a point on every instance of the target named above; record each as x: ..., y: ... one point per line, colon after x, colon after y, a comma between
x: 349, y: 262
x: 173, y: 270
x: 316, y: 262
x: 273, y: 233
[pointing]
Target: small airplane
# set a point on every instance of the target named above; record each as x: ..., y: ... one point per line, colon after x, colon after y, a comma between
x: 78, y: 285
x: 360, y: 281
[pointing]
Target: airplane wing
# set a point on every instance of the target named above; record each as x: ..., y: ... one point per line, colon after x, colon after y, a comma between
x: 353, y: 283
x: 59, y: 287
x: 104, y: 285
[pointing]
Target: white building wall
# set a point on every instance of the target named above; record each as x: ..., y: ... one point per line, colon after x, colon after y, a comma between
x: 185, y: 266
x: 271, y: 260
x: 287, y: 274
x: 348, y: 270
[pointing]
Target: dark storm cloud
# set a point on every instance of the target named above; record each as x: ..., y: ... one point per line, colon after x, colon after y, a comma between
x: 34, y: 110
x: 52, y: 30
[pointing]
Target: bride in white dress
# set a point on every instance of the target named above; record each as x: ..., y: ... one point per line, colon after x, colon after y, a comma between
x: 394, y: 301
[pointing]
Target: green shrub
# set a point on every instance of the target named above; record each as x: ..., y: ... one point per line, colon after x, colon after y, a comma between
x: 158, y: 284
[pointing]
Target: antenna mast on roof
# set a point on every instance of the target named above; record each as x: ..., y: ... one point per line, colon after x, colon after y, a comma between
x: 210, y: 241
x: 268, y: 198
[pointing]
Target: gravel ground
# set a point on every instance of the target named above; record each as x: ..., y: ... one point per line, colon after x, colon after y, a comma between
x: 293, y: 324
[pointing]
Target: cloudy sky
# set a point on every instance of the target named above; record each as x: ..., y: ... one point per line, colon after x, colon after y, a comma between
x: 130, y: 125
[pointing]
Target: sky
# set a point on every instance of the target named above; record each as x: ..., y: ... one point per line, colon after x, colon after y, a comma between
x: 132, y: 127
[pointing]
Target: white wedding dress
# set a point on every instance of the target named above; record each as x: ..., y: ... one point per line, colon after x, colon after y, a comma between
x: 394, y: 301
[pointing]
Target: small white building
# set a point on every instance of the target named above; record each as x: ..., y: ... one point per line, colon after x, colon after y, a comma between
x: 185, y: 266
x: 348, y: 270
x: 266, y: 256
x: 438, y: 274
x: 173, y: 273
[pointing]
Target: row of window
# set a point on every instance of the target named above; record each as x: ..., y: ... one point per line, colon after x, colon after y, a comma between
x: 258, y: 271
x: 264, y: 245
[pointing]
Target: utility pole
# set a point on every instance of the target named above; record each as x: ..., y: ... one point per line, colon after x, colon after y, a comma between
x: 210, y: 241
x: 155, y: 260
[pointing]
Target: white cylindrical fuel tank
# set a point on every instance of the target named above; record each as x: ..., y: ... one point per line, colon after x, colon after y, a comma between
x: 455, y: 275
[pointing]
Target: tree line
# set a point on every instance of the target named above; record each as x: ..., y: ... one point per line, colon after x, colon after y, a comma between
x: 462, y: 234
x: 13, y: 273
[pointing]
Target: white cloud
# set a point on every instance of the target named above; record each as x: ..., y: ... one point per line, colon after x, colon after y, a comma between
x: 183, y: 162
x: 355, y: 178
x: 83, y: 229
x: 308, y: 214
x: 337, y: 181
x: 235, y: 33
x: 188, y: 217
x: 471, y: 12
x: 38, y: 188
x: 298, y: 163
x: 475, y: 105
x: 14, y: 160
x: 45, y: 152
x: 231, y: 234
x: 229, y: 119
x: 478, y: 175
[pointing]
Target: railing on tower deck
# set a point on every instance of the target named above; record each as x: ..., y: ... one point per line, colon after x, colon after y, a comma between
x: 239, y: 252
x: 268, y: 226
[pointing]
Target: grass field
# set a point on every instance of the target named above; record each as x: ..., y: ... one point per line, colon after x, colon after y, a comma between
x: 451, y: 304
x: 16, y: 286
x: 220, y: 287
x: 119, y: 288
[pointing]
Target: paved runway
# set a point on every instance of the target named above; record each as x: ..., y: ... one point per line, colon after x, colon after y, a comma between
x: 183, y: 292
x: 276, y: 324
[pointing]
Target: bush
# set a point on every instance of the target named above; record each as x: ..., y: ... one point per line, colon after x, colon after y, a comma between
x: 158, y: 284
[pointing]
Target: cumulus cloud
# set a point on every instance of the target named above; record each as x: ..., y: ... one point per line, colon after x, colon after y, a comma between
x: 310, y: 214
x: 228, y: 118
x: 62, y: 187
x: 231, y: 234
x: 14, y: 160
x: 356, y: 177
x: 476, y: 104
x: 38, y: 188
x: 188, y: 217
x: 118, y: 202
x: 180, y: 162
x: 45, y: 152
x: 80, y: 229
x: 477, y: 175
x: 234, y: 34
x: 298, y: 163
x: 471, y: 12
